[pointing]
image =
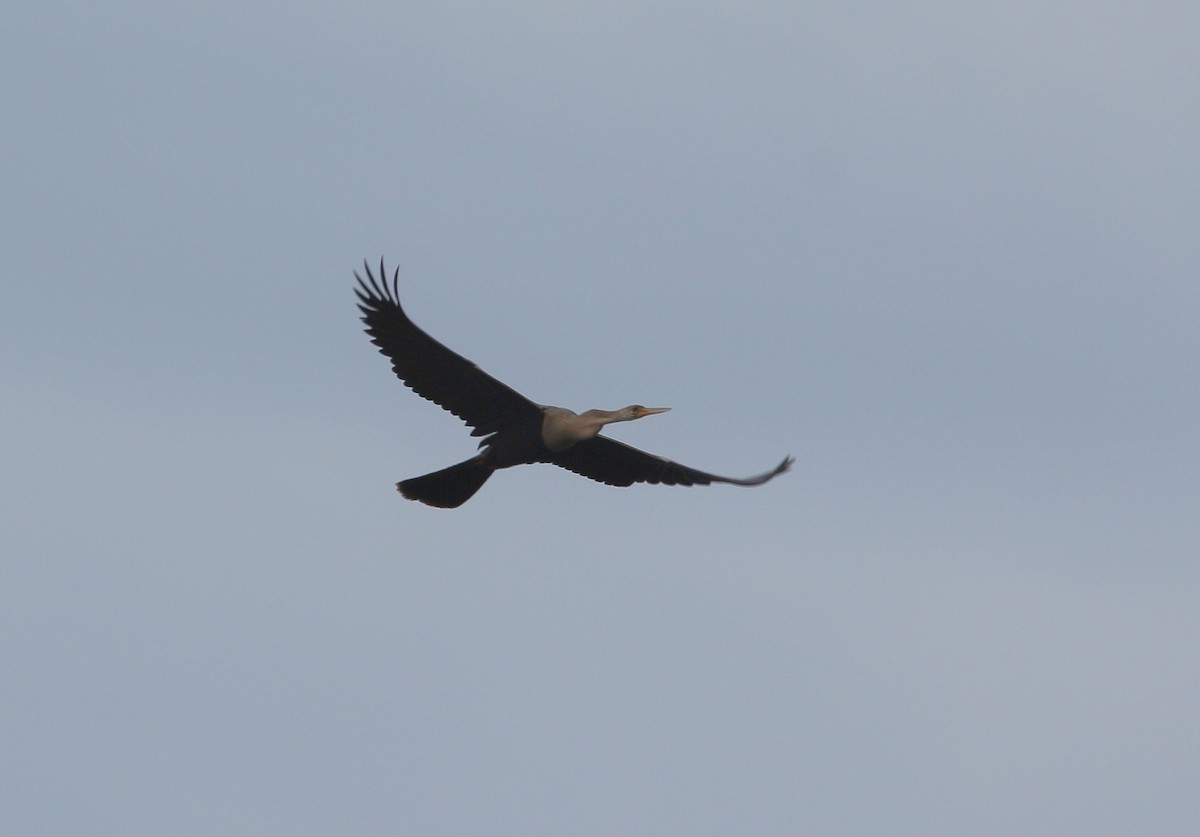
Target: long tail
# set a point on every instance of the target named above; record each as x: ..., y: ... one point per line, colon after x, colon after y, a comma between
x: 448, y: 488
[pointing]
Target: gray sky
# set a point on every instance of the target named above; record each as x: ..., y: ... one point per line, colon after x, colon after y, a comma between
x: 945, y: 254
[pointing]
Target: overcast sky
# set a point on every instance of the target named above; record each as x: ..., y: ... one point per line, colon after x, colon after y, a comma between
x: 945, y: 254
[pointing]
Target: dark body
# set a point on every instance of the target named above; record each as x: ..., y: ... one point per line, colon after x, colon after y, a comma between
x: 515, y: 430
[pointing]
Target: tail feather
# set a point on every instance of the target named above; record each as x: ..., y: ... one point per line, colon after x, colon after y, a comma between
x: 448, y: 488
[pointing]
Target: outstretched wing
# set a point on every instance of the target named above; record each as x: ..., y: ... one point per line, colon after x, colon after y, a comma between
x: 430, y: 369
x: 609, y: 461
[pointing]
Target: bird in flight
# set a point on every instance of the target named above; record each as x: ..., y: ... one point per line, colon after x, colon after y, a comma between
x: 515, y: 430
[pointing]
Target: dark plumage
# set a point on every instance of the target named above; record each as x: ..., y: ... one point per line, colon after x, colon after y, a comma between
x: 516, y: 431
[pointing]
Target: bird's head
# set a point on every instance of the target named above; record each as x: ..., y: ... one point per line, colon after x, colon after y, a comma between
x: 637, y: 411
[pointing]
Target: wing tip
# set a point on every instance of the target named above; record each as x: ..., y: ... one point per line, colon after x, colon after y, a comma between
x: 372, y: 290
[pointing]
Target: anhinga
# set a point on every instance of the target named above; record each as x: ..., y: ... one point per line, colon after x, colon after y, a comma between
x: 516, y: 431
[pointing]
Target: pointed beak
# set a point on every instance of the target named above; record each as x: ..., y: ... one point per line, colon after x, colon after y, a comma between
x: 650, y: 411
